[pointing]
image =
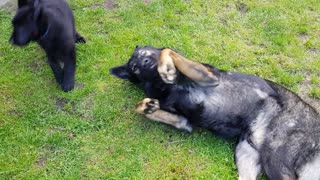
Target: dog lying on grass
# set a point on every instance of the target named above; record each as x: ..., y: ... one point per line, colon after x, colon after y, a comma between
x: 51, y: 24
x: 278, y: 132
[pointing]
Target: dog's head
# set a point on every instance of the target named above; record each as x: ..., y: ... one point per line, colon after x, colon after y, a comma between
x: 141, y: 67
x: 25, y: 22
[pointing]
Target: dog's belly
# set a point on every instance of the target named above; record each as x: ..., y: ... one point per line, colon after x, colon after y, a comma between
x: 222, y: 124
x: 210, y: 113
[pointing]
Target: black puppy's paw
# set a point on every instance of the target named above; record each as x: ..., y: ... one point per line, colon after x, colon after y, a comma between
x: 147, y: 106
x: 67, y: 86
x: 79, y: 38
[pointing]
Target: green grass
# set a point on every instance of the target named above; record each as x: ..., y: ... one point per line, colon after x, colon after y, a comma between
x: 93, y: 132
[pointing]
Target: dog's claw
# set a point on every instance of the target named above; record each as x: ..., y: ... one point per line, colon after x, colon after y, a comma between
x: 152, y: 105
x: 148, y: 106
x: 81, y: 40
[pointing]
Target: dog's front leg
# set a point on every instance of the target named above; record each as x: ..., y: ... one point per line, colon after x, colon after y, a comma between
x: 56, y: 68
x: 69, y: 70
x: 170, y: 60
x: 150, y: 108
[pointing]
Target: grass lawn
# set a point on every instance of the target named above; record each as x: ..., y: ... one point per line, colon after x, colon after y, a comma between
x: 93, y: 132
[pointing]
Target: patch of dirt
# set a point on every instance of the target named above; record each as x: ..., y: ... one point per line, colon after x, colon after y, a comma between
x: 42, y: 161
x: 35, y: 67
x: 86, y: 107
x: 304, y: 37
x: 242, y: 8
x: 15, y: 112
x: 78, y: 85
x: 64, y: 105
x: 94, y: 5
x: 110, y: 4
x: 10, y: 5
x: 2, y: 122
x: 313, y: 51
x: 71, y: 135
x: 224, y: 21
x: 147, y: 1
x: 61, y: 102
x: 304, y: 94
x: 111, y: 150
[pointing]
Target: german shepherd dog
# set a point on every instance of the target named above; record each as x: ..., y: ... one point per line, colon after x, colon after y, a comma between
x: 279, y: 133
x: 51, y: 24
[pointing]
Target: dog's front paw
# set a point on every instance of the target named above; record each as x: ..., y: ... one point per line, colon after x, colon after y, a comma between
x: 80, y: 39
x: 147, y: 106
x: 166, y: 67
x: 67, y: 86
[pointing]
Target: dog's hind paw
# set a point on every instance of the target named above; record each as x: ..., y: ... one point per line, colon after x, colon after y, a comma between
x: 147, y: 106
x: 80, y: 39
x: 166, y: 68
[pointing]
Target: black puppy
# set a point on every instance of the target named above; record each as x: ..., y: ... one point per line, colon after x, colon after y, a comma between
x: 51, y: 24
x: 278, y: 132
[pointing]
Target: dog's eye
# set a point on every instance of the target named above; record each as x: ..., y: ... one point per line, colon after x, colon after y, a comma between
x: 134, y: 68
x: 146, y: 61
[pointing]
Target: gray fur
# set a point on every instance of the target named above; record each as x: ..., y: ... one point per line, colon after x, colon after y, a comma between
x: 278, y: 132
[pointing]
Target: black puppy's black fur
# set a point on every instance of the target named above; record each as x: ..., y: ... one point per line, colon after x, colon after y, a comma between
x: 279, y: 134
x: 51, y: 24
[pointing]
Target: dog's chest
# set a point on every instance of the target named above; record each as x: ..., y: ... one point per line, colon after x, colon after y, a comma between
x: 196, y: 101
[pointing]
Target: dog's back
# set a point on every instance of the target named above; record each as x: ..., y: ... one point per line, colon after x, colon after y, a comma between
x: 60, y: 17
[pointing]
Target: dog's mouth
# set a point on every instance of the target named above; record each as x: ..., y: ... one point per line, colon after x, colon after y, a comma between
x: 153, y: 66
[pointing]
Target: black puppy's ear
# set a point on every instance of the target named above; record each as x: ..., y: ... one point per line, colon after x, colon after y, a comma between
x: 120, y: 72
x: 22, y: 3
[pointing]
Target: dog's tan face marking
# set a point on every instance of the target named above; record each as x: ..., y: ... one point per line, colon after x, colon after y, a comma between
x: 145, y: 52
x: 134, y: 68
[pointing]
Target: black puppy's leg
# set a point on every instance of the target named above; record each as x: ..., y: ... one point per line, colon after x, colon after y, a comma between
x: 69, y: 69
x: 56, y: 68
x: 79, y: 38
x: 151, y: 109
x: 247, y: 160
x: 170, y: 60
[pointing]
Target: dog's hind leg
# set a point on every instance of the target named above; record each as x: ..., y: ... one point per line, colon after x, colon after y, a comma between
x: 170, y: 60
x: 79, y: 38
x: 247, y: 160
x: 151, y: 109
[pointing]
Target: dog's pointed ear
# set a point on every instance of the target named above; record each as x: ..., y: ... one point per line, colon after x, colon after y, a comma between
x: 120, y: 72
x: 22, y: 3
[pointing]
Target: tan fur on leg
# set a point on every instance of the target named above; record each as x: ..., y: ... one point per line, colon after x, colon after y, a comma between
x: 150, y: 109
x: 170, y: 60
